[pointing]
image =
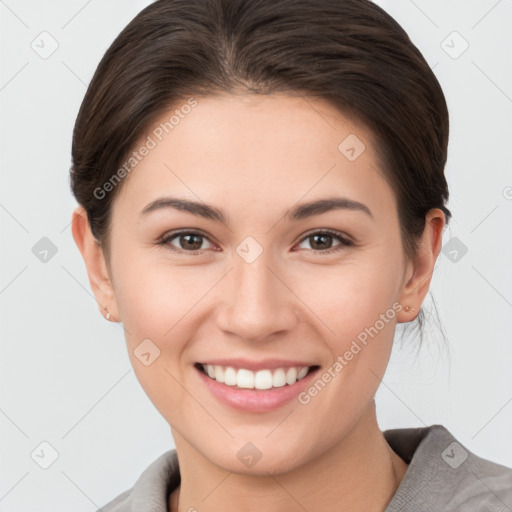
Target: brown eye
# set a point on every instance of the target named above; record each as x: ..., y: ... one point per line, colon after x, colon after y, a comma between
x: 322, y: 241
x: 187, y: 241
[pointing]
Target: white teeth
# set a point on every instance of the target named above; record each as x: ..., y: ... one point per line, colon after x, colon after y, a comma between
x: 262, y: 379
x: 219, y: 374
x: 245, y: 379
x: 291, y: 375
x: 302, y: 373
x: 279, y: 378
x: 230, y: 377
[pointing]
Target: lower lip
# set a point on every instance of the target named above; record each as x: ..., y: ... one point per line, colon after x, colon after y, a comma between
x: 256, y: 400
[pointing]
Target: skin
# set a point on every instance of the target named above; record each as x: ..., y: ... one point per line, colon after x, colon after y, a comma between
x: 255, y: 157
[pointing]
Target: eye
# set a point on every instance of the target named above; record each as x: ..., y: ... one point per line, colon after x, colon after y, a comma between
x: 188, y: 241
x: 192, y: 241
x: 322, y: 241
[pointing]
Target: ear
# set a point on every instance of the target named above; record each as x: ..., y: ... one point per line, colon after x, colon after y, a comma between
x: 94, y: 259
x: 419, y: 271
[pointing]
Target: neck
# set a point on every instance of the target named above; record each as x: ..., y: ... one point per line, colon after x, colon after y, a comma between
x: 360, y: 473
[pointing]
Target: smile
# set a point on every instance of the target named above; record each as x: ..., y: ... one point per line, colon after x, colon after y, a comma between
x: 242, y: 378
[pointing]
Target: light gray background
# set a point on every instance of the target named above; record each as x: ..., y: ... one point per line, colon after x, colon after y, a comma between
x: 65, y: 375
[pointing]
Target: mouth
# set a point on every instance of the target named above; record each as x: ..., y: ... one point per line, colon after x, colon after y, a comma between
x: 262, y: 379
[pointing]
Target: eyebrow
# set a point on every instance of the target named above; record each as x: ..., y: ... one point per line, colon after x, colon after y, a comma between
x: 299, y: 212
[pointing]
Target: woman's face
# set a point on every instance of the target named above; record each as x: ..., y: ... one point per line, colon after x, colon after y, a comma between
x: 254, y: 282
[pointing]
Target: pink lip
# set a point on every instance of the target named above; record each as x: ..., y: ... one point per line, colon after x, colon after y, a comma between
x: 256, y: 400
x: 266, y: 364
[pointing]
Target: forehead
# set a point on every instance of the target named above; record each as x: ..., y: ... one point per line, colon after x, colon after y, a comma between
x: 255, y: 146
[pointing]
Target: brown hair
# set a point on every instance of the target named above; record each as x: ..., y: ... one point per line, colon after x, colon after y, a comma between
x: 349, y: 52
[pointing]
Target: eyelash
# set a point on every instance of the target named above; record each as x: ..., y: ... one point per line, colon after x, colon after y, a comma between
x: 345, y: 242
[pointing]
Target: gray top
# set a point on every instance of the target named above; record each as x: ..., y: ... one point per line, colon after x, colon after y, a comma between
x: 443, y: 476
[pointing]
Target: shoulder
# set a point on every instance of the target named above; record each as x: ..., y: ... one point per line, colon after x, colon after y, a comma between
x: 151, y: 490
x: 445, y: 475
x: 119, y: 504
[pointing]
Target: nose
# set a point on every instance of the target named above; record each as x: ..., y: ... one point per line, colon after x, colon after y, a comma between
x: 256, y: 302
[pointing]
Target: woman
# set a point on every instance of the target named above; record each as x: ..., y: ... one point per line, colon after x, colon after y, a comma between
x: 262, y: 199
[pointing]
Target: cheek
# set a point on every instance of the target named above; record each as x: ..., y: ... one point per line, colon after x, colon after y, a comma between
x: 161, y: 303
x: 153, y: 303
x: 360, y: 310
x: 358, y: 304
x: 152, y: 296
x: 161, y: 300
x: 352, y: 296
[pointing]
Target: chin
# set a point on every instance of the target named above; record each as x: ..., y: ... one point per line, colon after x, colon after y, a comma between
x: 259, y: 459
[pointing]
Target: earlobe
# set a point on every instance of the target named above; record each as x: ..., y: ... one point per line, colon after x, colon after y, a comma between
x: 417, y: 285
x: 94, y: 260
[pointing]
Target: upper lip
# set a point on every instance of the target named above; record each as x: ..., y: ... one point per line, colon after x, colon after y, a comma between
x: 266, y: 364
